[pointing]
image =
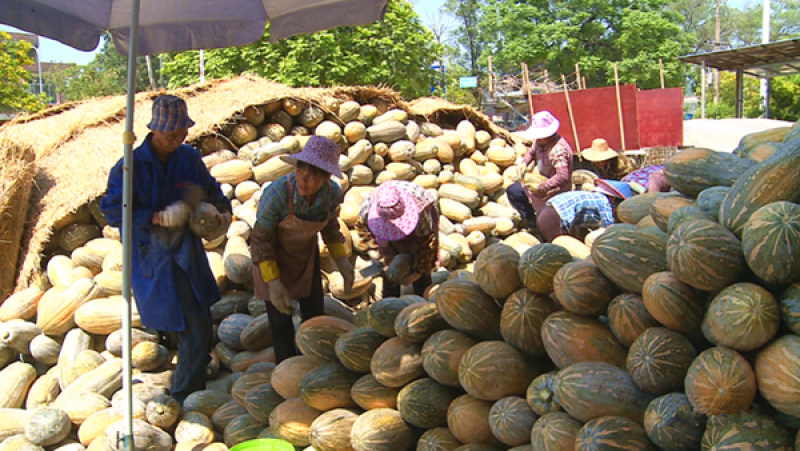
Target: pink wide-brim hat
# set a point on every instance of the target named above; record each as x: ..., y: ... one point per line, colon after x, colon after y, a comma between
x: 393, y: 213
x: 543, y: 125
x: 320, y: 152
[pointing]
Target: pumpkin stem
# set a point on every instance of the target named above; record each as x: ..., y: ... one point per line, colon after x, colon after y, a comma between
x: 546, y: 395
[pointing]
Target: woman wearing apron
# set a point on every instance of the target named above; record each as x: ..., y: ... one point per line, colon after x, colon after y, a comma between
x: 284, y: 246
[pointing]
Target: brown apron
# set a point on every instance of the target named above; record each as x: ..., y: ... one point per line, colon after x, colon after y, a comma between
x: 297, y: 249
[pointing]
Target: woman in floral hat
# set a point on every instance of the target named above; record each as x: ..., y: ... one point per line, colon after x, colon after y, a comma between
x: 404, y: 219
x: 552, y: 155
x: 291, y: 212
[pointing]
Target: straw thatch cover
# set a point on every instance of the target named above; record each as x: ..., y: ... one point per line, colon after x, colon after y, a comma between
x: 446, y: 114
x: 77, y: 144
x: 16, y: 178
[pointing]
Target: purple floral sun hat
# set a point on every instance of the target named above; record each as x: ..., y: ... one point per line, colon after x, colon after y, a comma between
x: 393, y: 213
x: 543, y: 125
x: 320, y: 152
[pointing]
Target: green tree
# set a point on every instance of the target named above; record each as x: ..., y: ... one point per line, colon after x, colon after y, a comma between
x: 106, y: 75
x: 698, y: 20
x: 14, y: 78
x: 784, y: 24
x: 557, y: 34
x: 785, y: 98
x: 397, y: 52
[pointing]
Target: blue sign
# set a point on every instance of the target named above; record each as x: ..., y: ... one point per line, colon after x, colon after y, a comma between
x: 468, y: 82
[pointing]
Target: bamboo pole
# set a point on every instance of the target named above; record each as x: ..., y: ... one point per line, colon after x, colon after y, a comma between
x: 526, y: 81
x: 571, y: 117
x: 491, y: 77
x: 661, y: 69
x: 619, y: 108
x: 578, y: 75
x: 583, y: 81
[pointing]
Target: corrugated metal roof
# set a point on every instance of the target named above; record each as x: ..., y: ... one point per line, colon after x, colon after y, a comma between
x: 764, y: 60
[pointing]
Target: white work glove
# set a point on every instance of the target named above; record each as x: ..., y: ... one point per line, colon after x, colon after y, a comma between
x: 279, y: 296
x: 346, y: 270
x: 224, y: 222
x: 175, y: 215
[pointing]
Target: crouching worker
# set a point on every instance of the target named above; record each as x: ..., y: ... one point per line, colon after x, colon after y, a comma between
x: 404, y: 220
x: 291, y: 212
x: 578, y: 212
x: 171, y: 279
x: 607, y: 162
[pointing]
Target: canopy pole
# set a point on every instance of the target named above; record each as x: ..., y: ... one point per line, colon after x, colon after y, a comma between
x: 128, y: 140
x: 619, y: 108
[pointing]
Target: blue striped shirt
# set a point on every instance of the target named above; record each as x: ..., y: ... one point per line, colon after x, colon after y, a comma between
x: 571, y: 204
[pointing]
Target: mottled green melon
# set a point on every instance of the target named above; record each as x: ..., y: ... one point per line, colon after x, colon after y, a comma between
x: 628, y: 318
x: 662, y: 209
x: 316, y: 337
x: 467, y: 308
x: 571, y: 338
x: 743, y: 431
x: 636, y: 208
x: 672, y: 425
x: 442, y: 353
x: 693, y: 170
x: 331, y: 430
x: 555, y: 431
x: 673, y: 303
x: 493, y: 369
x: 380, y: 430
x: 710, y: 199
x: 541, y: 394
x: 397, y: 362
x: 521, y: 320
x: 468, y: 420
x: 423, y: 403
x: 496, y: 270
x: 777, y: 369
x: 612, y: 433
x: 684, y: 214
x: 705, y: 255
x: 511, y: 420
x: 720, y: 381
x: 383, y: 313
x: 790, y: 307
x: 370, y: 394
x: 328, y: 387
x: 438, y: 439
x: 417, y: 322
x: 628, y: 257
x: 771, y: 243
x: 580, y: 287
x: 658, y: 360
x: 355, y: 348
x: 539, y: 264
x: 743, y: 316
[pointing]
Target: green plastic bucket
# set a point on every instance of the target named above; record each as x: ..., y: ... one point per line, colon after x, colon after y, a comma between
x: 264, y: 444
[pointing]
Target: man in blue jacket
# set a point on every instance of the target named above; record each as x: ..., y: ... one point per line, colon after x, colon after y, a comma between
x: 171, y: 279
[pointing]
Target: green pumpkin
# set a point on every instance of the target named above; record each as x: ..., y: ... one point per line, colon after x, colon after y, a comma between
x: 771, y: 243
x: 693, y: 170
x: 746, y: 432
x: 672, y: 425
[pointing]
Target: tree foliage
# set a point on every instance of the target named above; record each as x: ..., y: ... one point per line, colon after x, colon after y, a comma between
x: 397, y: 52
x: 106, y: 75
x: 14, y: 78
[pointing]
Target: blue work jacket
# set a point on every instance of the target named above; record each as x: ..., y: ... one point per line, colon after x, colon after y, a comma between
x: 155, y: 248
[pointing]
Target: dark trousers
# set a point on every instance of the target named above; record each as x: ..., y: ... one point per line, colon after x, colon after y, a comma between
x: 282, y: 325
x: 392, y: 290
x: 549, y: 224
x: 519, y: 199
x: 195, y: 341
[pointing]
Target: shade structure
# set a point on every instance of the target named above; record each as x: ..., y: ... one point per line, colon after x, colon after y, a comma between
x: 176, y: 25
x: 145, y: 27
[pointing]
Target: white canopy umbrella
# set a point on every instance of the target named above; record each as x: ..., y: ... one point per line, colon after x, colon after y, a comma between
x: 146, y: 27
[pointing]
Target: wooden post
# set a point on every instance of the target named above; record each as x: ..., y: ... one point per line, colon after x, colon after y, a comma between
x: 571, y: 117
x: 578, y: 75
x: 491, y: 77
x: 583, y: 81
x: 619, y: 108
x: 526, y: 81
x: 661, y: 69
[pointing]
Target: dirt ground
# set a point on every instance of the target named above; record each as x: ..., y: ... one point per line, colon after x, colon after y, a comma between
x: 724, y: 134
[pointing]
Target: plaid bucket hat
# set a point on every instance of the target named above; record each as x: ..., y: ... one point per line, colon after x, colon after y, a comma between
x: 169, y: 114
x: 320, y: 152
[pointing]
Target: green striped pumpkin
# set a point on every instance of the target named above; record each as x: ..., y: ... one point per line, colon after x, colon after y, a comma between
x: 331, y: 430
x: 521, y: 321
x: 380, y: 430
x: 636, y: 208
x: 467, y: 308
x: 242, y: 429
x: 491, y: 370
x: 773, y: 180
x: 541, y: 394
x: 355, y: 348
x: 662, y: 209
x: 628, y: 318
x: 612, y: 433
x: 496, y: 270
x: 478, y: 447
x: 777, y: 369
x: 658, y: 360
x: 705, y: 255
x: 370, y: 394
x: 790, y: 307
x: 423, y: 403
x: 555, y: 431
x: 672, y: 425
x: 628, y: 257
x: 539, y: 264
x: 417, y: 322
x: 710, y: 199
x: 397, y: 362
x: 580, y: 287
x: 771, y: 243
x: 745, y: 431
x: 683, y: 214
x: 693, y: 170
x: 590, y: 390
x: 316, y: 337
x: 511, y: 420
x: 673, y: 303
x: 743, y: 316
x: 438, y: 439
x: 720, y: 381
x: 261, y: 400
x: 328, y: 387
x: 442, y: 353
x: 571, y: 338
x: 383, y: 313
